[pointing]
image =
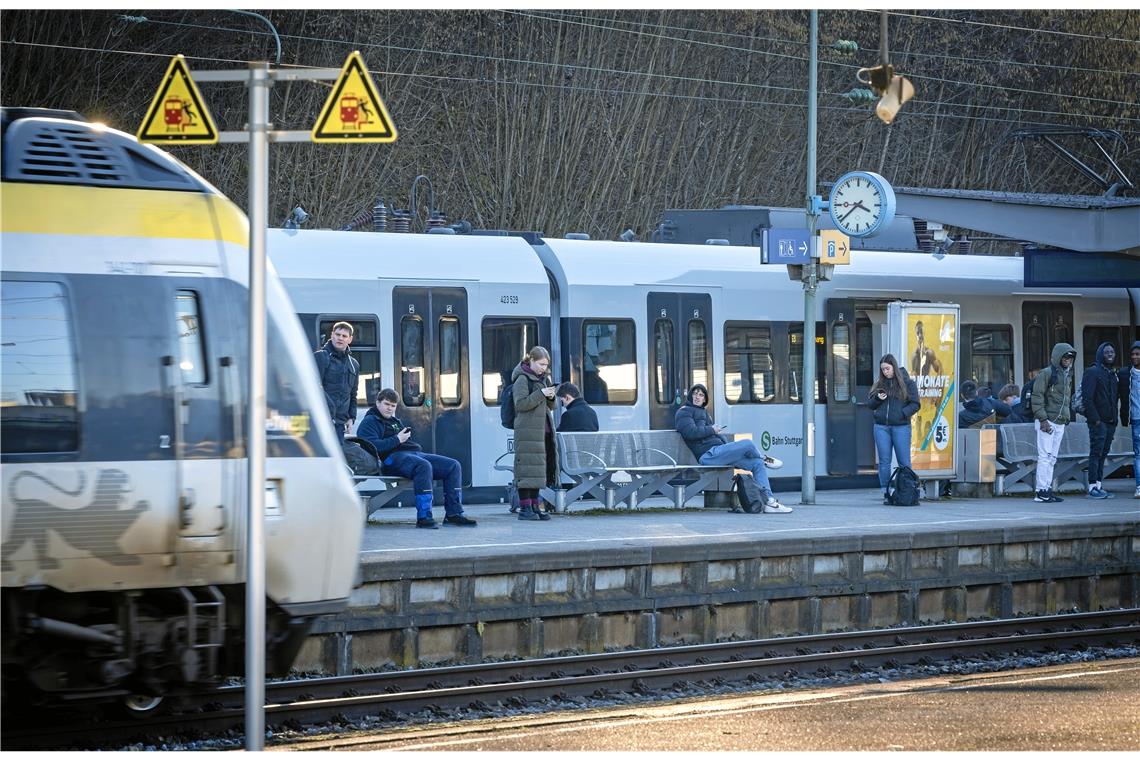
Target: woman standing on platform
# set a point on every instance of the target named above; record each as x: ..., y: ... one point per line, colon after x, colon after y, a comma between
x: 536, y: 456
x: 894, y: 400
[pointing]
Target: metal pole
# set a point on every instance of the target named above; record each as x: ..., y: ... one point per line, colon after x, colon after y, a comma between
x: 807, y: 480
x: 259, y: 85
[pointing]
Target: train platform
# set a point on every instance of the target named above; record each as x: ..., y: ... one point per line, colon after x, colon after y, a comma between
x: 593, y: 579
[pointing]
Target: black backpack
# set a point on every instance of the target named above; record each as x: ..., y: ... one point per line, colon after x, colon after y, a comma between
x: 902, y: 488
x: 748, y: 494
x: 507, y: 406
x: 360, y: 456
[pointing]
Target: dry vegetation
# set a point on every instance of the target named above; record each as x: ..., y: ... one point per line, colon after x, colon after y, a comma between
x: 596, y: 121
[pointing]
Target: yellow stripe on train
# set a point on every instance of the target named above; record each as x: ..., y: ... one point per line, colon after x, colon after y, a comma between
x: 84, y: 210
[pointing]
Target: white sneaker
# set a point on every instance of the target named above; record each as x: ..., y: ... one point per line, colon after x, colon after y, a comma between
x: 772, y: 463
x: 774, y: 507
x: 1137, y: 496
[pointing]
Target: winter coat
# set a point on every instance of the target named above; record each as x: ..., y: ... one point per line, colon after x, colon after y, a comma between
x: 534, y: 416
x: 695, y: 425
x: 977, y: 409
x: 578, y: 417
x: 381, y: 433
x: 1053, y: 402
x: 1100, y: 390
x: 1125, y: 375
x: 891, y: 410
x: 1015, y: 414
x: 338, y: 372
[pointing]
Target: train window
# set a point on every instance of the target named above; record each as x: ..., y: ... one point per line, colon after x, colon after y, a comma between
x: 191, y: 343
x: 749, y: 372
x: 609, y: 372
x: 796, y: 362
x: 991, y: 355
x: 450, y: 358
x: 505, y: 341
x: 698, y: 354
x: 37, y: 363
x: 841, y: 362
x: 1094, y: 336
x: 366, y: 350
x: 663, y: 361
x: 866, y: 363
x: 412, y: 361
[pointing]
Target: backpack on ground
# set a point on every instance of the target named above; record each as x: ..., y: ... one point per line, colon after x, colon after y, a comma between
x: 360, y: 456
x: 748, y: 494
x: 507, y: 406
x: 902, y: 488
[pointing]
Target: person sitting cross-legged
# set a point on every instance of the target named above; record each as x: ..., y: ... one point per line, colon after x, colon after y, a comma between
x: 710, y: 448
x: 401, y: 456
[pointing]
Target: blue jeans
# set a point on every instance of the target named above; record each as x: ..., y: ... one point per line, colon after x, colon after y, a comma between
x: 742, y: 454
x: 1136, y: 451
x: 423, y: 468
x: 888, y: 437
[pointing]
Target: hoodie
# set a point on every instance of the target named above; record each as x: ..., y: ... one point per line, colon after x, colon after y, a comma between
x: 695, y: 425
x: 1052, y: 397
x: 1099, y: 390
x: 381, y: 432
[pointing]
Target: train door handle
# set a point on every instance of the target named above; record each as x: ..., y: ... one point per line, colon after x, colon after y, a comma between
x: 186, y: 505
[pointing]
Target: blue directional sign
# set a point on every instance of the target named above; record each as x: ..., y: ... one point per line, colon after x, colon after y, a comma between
x: 787, y: 245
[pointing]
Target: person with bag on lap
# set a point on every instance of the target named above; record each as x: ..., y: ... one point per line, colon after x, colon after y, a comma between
x: 704, y: 439
x: 893, y: 400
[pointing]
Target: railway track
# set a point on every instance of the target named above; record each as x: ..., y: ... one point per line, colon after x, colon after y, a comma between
x: 514, y: 684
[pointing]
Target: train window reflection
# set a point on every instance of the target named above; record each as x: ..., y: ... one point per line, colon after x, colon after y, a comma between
x: 412, y: 361
x: 609, y: 371
x: 37, y: 365
x: 991, y: 355
x: 698, y: 354
x: 841, y: 362
x: 191, y: 344
x: 449, y: 361
x: 663, y: 361
x: 749, y: 371
x: 505, y: 341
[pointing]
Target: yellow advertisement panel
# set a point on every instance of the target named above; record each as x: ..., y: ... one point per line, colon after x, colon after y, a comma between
x: 931, y: 357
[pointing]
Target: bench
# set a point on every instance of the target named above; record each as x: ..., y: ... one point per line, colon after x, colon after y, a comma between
x: 1017, y: 456
x: 375, y: 491
x: 652, y: 459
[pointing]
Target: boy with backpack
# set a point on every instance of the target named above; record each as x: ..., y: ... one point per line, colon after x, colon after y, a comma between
x: 1099, y: 398
x: 1051, y: 404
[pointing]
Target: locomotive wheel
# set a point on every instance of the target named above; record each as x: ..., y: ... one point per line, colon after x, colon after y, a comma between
x: 141, y: 705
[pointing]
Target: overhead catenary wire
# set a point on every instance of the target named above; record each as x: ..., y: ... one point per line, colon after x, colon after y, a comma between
x: 1099, y: 37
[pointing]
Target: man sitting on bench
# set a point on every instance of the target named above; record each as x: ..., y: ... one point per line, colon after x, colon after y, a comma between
x: 710, y: 448
x: 401, y: 456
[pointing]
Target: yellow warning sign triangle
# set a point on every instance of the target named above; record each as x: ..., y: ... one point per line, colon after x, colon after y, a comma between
x: 354, y: 111
x: 178, y: 113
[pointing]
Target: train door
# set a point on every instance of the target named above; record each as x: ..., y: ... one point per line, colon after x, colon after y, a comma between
x: 679, y: 328
x: 431, y: 355
x: 205, y: 478
x: 1044, y: 324
x: 855, y: 340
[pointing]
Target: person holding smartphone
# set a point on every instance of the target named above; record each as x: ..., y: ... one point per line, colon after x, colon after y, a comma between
x: 403, y: 457
x: 536, y: 448
x: 893, y: 400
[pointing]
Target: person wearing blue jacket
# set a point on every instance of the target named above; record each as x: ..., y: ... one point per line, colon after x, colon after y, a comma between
x: 893, y: 401
x: 399, y: 455
x: 704, y: 439
x: 1100, y: 391
x: 1129, y: 392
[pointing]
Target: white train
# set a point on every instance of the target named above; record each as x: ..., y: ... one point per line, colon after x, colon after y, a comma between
x: 442, y: 317
x: 122, y: 408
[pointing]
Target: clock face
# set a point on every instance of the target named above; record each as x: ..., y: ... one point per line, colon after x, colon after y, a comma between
x: 857, y: 205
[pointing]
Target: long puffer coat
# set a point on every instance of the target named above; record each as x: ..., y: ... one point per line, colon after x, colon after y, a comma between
x: 533, y: 413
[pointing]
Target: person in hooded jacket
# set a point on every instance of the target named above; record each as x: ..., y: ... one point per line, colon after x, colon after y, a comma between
x: 401, y: 456
x: 977, y: 405
x: 1129, y: 392
x: 1100, y: 393
x: 704, y: 439
x: 1052, y: 410
x: 338, y: 371
x: 893, y: 400
x: 536, y: 448
x: 1010, y: 395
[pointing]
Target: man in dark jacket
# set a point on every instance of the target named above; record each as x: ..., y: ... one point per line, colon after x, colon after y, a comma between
x: 977, y: 405
x: 709, y: 447
x: 577, y: 415
x: 338, y: 372
x: 1100, y: 392
x: 1129, y: 392
x: 401, y: 456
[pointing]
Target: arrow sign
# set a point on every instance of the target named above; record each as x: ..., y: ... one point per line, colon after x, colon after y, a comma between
x: 834, y: 247
x: 787, y: 245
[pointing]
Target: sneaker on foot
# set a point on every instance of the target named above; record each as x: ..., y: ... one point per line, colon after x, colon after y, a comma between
x: 772, y: 463
x: 774, y: 507
x: 528, y: 514
x: 1044, y: 497
x: 1054, y: 497
x: 459, y: 519
x: 1137, y: 496
x: 1096, y: 493
x: 426, y: 522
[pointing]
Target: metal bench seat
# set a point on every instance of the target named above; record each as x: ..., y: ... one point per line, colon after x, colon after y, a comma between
x: 654, y: 460
x: 1017, y: 456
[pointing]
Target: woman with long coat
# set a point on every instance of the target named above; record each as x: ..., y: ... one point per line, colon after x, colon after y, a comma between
x: 536, y: 453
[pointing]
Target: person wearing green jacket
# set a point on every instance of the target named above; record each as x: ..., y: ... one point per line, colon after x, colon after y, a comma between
x: 1052, y: 402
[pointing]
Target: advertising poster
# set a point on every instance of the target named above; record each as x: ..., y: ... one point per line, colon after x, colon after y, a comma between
x: 931, y: 358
